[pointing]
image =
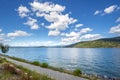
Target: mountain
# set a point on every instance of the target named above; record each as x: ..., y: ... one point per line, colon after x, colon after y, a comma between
x: 100, y: 43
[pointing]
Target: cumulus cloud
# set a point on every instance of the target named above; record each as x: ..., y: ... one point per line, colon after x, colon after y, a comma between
x: 115, y: 29
x: 18, y: 33
x: 46, y: 7
x: 70, y: 40
x: 107, y: 10
x: 85, y: 30
x: 32, y: 23
x: 91, y: 36
x: 110, y: 9
x: 71, y: 34
x: 23, y: 11
x: 52, y: 13
x: 79, y: 25
x: 6, y: 38
x: 54, y: 33
x: 118, y: 19
x: 97, y: 12
x: 73, y: 37
x: 59, y: 21
x: 3, y: 37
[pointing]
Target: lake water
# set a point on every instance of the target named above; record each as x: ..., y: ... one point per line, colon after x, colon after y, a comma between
x: 101, y: 61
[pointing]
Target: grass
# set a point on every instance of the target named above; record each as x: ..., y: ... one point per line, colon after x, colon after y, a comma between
x: 44, y: 65
x: 9, y: 74
x: 77, y: 72
x: 35, y: 76
x: 37, y: 63
x: 5, y: 75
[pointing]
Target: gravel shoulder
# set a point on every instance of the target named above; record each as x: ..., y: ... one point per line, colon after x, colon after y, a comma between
x: 50, y: 73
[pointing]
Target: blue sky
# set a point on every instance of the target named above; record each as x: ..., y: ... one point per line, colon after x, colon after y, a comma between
x: 57, y: 22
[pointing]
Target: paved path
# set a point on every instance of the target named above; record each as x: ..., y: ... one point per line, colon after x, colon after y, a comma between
x: 51, y: 73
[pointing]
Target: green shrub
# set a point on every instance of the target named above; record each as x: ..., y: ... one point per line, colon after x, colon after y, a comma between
x: 77, y: 72
x: 4, y: 48
x: 45, y: 65
x: 2, y: 60
x: 36, y: 63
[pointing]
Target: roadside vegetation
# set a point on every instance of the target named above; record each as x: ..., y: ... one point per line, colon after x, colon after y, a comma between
x: 76, y: 72
x: 10, y: 71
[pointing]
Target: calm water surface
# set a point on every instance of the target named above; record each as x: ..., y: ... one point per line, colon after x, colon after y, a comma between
x: 101, y: 61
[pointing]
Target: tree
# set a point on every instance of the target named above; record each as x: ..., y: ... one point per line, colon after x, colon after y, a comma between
x: 4, y: 48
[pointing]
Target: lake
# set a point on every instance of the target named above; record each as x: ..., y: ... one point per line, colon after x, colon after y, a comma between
x: 100, y: 61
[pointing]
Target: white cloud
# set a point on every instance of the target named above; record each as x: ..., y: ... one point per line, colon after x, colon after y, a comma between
x: 118, y: 20
x: 110, y: 9
x: 71, y: 34
x: 4, y: 38
x: 107, y: 10
x: 70, y: 39
x: 115, y: 29
x: 32, y: 23
x: 2, y: 34
x: 91, y: 36
x: 59, y: 21
x: 97, y: 12
x: 79, y: 25
x: 54, y: 33
x: 23, y: 11
x: 18, y: 33
x: 47, y: 7
x: 53, y: 13
x: 34, y: 43
x: 7, y: 40
x: 73, y: 37
x: 85, y: 30
x: 1, y: 39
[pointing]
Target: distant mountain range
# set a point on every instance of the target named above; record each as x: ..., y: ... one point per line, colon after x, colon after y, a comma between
x: 100, y: 43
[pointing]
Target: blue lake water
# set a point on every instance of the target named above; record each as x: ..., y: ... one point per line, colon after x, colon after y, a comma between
x: 101, y: 61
